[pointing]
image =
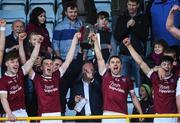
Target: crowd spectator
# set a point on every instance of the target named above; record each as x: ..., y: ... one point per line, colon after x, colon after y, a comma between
x: 104, y: 30
x: 88, y: 87
x: 115, y: 87
x: 146, y: 103
x: 159, y: 13
x: 12, y: 82
x: 37, y: 23
x: 164, y: 89
x: 86, y: 10
x: 170, y: 22
x: 134, y: 25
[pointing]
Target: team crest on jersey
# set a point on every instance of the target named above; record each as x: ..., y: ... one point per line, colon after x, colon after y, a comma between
x: 124, y: 79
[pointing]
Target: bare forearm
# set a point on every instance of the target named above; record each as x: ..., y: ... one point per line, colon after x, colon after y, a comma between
x: 137, y: 104
x: 2, y: 42
x: 6, y: 106
x: 22, y: 53
x: 28, y: 65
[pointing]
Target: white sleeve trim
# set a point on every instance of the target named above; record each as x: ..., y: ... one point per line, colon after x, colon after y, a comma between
x: 61, y: 72
x: 3, y: 92
x: 24, y: 71
x: 150, y: 73
x: 33, y: 75
x: 178, y: 88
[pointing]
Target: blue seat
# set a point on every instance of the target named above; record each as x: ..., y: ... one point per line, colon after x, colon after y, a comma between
x: 13, y: 4
x: 59, y: 16
x: 10, y: 16
x: 59, y: 3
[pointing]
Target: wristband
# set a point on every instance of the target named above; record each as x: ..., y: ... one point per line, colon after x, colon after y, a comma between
x: 2, y: 28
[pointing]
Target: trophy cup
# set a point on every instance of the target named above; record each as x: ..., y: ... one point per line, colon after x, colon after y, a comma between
x: 85, y: 40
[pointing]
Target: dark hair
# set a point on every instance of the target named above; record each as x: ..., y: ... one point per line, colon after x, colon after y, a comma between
x: 167, y: 59
x: 70, y: 4
x: 137, y: 1
x: 45, y: 58
x: 34, y: 16
x: 169, y: 50
x: 104, y: 14
x: 14, y: 54
x: 114, y: 56
x: 58, y: 58
x: 161, y: 42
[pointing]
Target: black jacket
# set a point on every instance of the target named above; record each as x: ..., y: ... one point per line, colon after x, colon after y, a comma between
x: 138, y: 33
x: 95, y: 97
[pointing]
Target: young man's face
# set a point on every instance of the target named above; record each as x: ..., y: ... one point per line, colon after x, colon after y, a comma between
x: 115, y: 66
x: 158, y: 49
x: 71, y: 13
x: 57, y: 64
x: 12, y: 65
x: 167, y: 66
x: 132, y: 7
x: 102, y: 21
x: 47, y: 67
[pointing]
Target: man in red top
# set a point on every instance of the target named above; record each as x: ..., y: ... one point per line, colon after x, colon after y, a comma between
x: 12, y: 83
x: 115, y: 88
x: 165, y: 89
x: 47, y: 84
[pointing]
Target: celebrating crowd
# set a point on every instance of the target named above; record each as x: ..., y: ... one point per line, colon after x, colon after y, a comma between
x: 36, y: 73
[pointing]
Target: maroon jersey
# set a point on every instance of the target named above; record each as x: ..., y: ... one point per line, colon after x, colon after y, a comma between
x: 47, y: 89
x: 115, y: 91
x: 164, y: 93
x: 14, y: 87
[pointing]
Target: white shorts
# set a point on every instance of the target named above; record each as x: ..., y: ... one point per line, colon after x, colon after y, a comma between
x: 165, y: 120
x: 19, y: 113
x: 51, y: 114
x: 113, y: 120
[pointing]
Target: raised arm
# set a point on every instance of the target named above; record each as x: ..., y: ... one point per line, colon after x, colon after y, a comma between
x: 136, y: 56
x: 6, y: 106
x: 28, y: 65
x: 100, y: 60
x: 170, y: 22
x: 22, y: 55
x: 70, y: 53
x: 2, y: 38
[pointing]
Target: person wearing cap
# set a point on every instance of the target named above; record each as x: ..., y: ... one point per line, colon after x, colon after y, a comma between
x: 146, y: 103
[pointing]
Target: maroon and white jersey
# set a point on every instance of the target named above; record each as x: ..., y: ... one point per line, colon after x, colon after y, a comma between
x: 164, y: 93
x: 47, y: 89
x: 14, y: 87
x: 115, y: 91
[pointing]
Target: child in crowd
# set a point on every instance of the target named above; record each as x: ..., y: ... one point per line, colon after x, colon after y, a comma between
x: 104, y: 30
x: 146, y: 103
x: 155, y: 57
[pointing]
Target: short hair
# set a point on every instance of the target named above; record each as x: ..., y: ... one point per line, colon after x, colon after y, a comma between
x: 45, y: 58
x: 114, y: 56
x: 104, y: 14
x: 58, y: 58
x: 167, y: 59
x: 70, y: 4
x: 137, y: 1
x: 34, y: 16
x: 161, y: 42
x: 14, y: 54
x: 18, y: 21
x: 169, y: 50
